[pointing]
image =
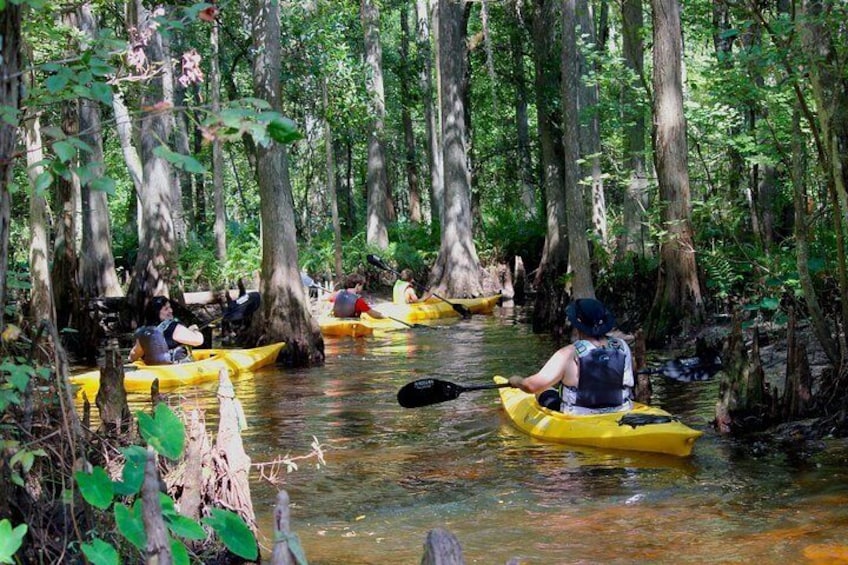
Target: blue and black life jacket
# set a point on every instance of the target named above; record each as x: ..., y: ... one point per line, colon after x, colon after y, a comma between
x: 159, y: 345
x: 601, y: 383
x: 345, y: 304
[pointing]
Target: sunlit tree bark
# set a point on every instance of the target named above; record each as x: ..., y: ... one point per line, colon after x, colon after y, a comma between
x: 457, y: 268
x: 380, y: 208
x: 41, y: 294
x: 284, y: 314
x: 220, y: 226
x: 155, y: 267
x: 635, y: 206
x: 590, y: 126
x: 678, y: 301
x: 98, y: 276
x: 548, y: 312
x: 414, y: 209
x: 331, y: 184
x: 522, y: 128
x: 578, y: 246
x: 431, y: 120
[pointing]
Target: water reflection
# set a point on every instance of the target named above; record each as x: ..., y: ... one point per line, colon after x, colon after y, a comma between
x: 393, y: 474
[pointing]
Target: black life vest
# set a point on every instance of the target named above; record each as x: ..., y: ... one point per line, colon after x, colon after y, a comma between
x: 601, y: 383
x: 345, y: 304
x: 158, y: 344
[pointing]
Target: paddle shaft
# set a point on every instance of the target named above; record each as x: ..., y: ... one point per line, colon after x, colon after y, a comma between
x: 425, y: 392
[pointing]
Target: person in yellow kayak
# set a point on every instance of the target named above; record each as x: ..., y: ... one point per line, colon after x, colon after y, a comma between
x: 163, y: 340
x: 592, y: 374
x: 348, y: 302
x: 404, y: 289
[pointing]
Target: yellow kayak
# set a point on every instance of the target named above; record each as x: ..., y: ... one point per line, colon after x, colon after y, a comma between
x: 403, y: 314
x: 435, y: 308
x: 338, y: 327
x: 633, y: 430
x: 138, y: 377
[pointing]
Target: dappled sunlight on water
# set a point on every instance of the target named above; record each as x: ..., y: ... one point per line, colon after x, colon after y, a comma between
x: 392, y: 474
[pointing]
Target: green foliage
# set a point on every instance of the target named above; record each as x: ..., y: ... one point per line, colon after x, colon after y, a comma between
x: 10, y: 540
x: 100, y: 553
x: 508, y: 234
x: 165, y: 433
x: 14, y: 379
x: 234, y: 532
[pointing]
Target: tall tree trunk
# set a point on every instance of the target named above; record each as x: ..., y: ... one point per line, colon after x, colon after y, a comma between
x: 678, y: 299
x: 155, y: 267
x: 522, y: 128
x: 10, y: 98
x: 65, y: 265
x: 590, y: 128
x: 820, y: 326
x: 408, y: 133
x: 457, y: 268
x: 380, y: 208
x: 183, y: 180
x: 331, y: 184
x: 180, y: 189
x: 548, y: 312
x: 284, y: 314
x: 635, y: 206
x: 41, y: 295
x: 220, y: 226
x: 431, y: 121
x: 578, y: 247
x: 830, y: 92
x: 98, y: 276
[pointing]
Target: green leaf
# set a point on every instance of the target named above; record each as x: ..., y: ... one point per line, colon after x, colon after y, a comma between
x: 100, y: 553
x: 18, y: 375
x: 133, y: 473
x: 131, y: 525
x: 164, y: 432
x: 233, y: 532
x: 42, y: 182
x: 10, y: 540
x: 64, y: 150
x: 101, y: 92
x: 96, y: 487
x: 185, y: 527
x: 283, y: 130
x: 179, y: 553
x: 770, y: 303
x: 103, y: 184
x: 56, y: 83
x: 184, y: 162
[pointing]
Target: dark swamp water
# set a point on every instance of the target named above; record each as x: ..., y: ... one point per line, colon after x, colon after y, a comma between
x: 392, y: 474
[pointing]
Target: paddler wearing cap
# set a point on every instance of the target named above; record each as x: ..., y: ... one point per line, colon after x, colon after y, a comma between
x: 592, y: 374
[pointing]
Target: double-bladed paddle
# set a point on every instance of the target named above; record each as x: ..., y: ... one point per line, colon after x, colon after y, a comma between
x: 425, y: 392
x: 459, y: 308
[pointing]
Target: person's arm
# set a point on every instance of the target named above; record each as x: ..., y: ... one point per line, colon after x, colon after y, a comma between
x: 188, y: 336
x: 557, y: 368
x: 136, y: 352
x: 410, y: 296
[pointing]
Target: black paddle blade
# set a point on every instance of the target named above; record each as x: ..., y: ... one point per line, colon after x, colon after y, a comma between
x: 692, y: 368
x: 377, y: 262
x: 425, y: 392
x: 460, y: 309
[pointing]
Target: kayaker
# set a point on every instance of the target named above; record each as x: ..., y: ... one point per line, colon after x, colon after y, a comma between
x: 404, y: 289
x: 348, y: 302
x: 593, y: 374
x: 163, y: 340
